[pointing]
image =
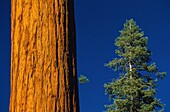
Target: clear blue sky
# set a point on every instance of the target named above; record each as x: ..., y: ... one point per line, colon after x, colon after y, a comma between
x: 98, y: 23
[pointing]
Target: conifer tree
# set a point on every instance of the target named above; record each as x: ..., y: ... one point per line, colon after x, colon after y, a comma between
x: 43, y: 56
x: 135, y: 88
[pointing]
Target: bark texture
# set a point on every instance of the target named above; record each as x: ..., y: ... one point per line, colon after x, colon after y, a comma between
x: 43, y: 56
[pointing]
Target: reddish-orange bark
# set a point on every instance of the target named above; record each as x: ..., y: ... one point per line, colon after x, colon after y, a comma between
x: 43, y: 56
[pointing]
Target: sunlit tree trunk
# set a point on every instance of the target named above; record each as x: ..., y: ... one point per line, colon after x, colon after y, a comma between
x: 43, y: 56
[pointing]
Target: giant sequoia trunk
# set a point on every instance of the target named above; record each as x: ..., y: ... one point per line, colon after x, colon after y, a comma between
x: 43, y: 57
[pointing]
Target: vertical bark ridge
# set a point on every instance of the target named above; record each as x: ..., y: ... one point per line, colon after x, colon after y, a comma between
x: 43, y: 57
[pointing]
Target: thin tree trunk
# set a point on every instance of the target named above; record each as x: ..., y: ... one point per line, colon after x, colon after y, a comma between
x: 130, y: 66
x: 43, y: 56
x: 131, y: 97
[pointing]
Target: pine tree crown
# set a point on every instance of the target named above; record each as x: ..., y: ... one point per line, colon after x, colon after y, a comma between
x: 135, y: 88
